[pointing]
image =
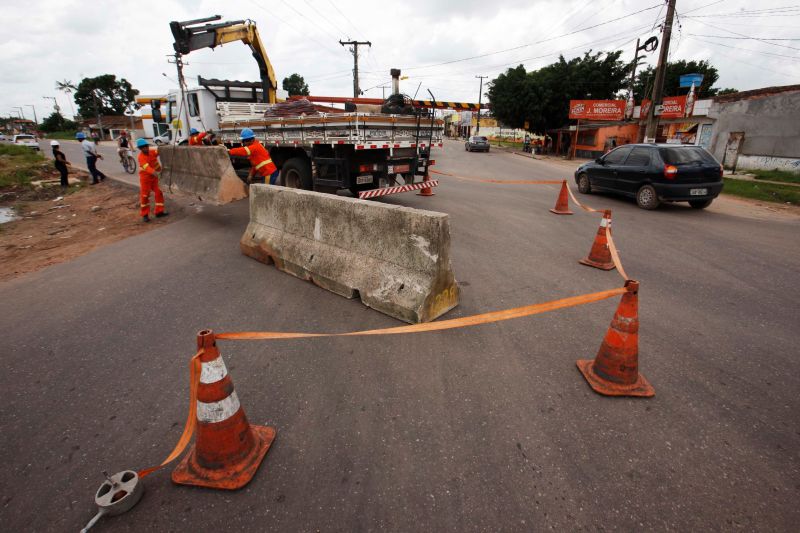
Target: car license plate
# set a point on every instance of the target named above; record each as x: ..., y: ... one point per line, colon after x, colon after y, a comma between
x: 698, y: 192
x: 363, y: 179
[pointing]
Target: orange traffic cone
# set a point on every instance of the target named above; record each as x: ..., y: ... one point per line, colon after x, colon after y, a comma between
x: 562, y: 204
x: 600, y: 255
x: 227, y: 450
x: 426, y: 191
x: 615, y: 370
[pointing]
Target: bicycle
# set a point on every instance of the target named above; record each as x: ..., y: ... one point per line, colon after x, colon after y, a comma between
x: 127, y: 160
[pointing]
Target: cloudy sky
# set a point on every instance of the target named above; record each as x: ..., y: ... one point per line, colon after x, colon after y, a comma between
x: 441, y: 46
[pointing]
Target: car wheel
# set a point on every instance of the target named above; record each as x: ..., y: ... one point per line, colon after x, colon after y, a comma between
x: 584, y: 187
x: 700, y: 204
x: 647, y: 198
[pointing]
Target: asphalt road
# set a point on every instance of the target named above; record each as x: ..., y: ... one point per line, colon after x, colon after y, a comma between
x: 488, y: 428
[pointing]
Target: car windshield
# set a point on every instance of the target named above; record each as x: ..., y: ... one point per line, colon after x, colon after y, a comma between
x: 685, y: 156
x: 24, y: 137
x: 479, y: 139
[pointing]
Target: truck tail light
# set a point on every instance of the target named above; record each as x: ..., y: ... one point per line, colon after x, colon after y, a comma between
x: 670, y: 171
x: 367, y: 167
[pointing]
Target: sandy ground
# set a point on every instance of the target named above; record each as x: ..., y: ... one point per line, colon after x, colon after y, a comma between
x: 54, y: 231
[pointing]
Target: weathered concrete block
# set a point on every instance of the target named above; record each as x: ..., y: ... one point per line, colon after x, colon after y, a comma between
x: 396, y: 259
x: 202, y: 171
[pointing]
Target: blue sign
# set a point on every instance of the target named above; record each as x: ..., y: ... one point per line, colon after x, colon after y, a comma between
x: 688, y: 79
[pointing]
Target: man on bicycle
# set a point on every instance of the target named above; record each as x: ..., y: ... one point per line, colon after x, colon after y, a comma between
x: 123, y: 146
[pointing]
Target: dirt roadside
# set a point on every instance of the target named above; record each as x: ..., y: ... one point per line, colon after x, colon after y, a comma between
x: 53, y: 230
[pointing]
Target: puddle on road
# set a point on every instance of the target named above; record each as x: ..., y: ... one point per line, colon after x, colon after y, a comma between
x: 7, y: 214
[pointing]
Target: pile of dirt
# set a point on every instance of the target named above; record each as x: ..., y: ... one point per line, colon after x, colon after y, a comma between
x: 53, y: 228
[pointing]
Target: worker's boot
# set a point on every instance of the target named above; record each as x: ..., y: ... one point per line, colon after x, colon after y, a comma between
x: 162, y: 214
x: 145, y: 218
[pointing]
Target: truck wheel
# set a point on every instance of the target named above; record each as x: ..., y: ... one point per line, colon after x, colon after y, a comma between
x: 296, y: 174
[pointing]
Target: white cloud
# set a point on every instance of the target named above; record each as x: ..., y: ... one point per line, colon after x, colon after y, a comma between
x: 47, y: 41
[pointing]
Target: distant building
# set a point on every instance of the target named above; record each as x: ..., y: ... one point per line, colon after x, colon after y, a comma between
x: 113, y: 125
x: 757, y: 129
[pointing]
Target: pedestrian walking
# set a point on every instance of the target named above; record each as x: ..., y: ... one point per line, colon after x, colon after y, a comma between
x: 149, y: 170
x: 61, y: 163
x: 90, y: 151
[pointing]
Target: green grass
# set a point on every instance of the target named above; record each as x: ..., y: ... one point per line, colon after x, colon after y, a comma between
x: 510, y: 144
x: 776, y: 175
x: 19, y: 164
x: 767, y: 192
x: 62, y: 135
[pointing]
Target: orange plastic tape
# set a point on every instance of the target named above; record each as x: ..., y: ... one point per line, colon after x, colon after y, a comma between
x: 191, y: 419
x: 584, y: 207
x: 615, y: 254
x: 473, y: 320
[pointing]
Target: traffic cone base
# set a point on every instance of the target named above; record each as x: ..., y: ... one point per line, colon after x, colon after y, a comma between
x: 562, y: 202
x: 641, y: 388
x: 190, y: 472
x: 427, y: 191
x: 596, y: 264
x: 600, y: 255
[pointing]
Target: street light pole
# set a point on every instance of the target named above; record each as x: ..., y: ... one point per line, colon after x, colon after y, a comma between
x: 35, y: 119
x: 21, y: 112
x: 55, y: 103
x: 480, y: 95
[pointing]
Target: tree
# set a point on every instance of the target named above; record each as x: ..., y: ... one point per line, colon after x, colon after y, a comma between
x: 67, y: 87
x: 727, y: 90
x: 104, y: 95
x: 295, y: 85
x: 57, y: 122
x: 643, y: 87
x: 541, y: 97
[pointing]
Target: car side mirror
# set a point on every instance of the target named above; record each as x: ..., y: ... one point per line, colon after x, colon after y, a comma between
x: 599, y: 161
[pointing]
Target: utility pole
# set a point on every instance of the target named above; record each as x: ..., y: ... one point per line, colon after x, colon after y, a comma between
x: 658, y: 86
x: 182, y: 84
x: 21, y: 112
x: 354, y: 50
x: 480, y: 95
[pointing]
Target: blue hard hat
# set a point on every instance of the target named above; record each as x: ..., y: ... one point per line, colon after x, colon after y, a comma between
x: 80, y: 135
x: 194, y: 131
x: 141, y: 142
x: 247, y: 133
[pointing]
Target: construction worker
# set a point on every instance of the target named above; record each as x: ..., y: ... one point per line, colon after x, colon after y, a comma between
x: 261, y: 164
x: 196, y: 137
x: 149, y: 170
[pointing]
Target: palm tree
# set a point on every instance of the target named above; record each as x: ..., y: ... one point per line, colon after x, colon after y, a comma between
x: 67, y: 87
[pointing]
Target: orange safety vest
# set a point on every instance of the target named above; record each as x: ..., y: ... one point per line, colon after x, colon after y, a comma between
x: 258, y: 156
x: 148, y: 163
x: 197, y: 138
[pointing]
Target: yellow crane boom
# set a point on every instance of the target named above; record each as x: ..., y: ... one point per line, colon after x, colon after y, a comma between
x: 196, y: 34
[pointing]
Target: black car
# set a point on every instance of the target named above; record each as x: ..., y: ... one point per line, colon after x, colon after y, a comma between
x: 655, y: 173
x: 477, y: 143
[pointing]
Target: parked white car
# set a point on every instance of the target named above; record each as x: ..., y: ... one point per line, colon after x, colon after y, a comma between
x: 3, y: 137
x: 26, y: 140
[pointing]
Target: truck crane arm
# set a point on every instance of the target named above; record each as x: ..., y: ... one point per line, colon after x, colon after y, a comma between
x: 193, y: 35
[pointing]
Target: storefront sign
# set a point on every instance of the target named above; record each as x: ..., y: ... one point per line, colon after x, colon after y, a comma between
x: 672, y: 107
x: 688, y: 79
x: 597, y: 109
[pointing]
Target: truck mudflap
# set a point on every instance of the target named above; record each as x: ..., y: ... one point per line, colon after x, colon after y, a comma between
x: 205, y: 172
x: 385, y: 191
x: 396, y: 259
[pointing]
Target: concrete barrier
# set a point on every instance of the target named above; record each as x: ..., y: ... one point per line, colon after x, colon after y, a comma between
x: 396, y: 259
x: 202, y: 171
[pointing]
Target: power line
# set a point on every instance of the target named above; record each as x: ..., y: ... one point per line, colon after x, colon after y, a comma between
x: 533, y: 43
x: 745, y: 49
x: 303, y: 33
x: 308, y: 19
x: 737, y: 59
x: 744, y: 38
x: 743, y: 35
